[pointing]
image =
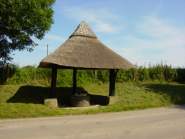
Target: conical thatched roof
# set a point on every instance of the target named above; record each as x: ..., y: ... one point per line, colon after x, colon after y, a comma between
x: 84, y: 50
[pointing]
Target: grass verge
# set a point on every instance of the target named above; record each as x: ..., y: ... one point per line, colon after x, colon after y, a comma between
x: 130, y: 96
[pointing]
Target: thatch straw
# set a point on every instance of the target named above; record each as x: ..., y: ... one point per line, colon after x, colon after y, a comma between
x: 84, y: 50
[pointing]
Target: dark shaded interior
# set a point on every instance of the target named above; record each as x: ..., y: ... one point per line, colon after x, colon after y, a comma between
x: 37, y: 94
x: 176, y: 92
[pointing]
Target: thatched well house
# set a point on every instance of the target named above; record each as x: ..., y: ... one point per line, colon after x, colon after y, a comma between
x: 83, y: 50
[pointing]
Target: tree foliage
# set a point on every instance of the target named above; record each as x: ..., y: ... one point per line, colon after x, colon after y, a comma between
x: 20, y: 22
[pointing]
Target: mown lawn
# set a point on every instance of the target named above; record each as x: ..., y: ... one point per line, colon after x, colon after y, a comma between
x: 19, y: 101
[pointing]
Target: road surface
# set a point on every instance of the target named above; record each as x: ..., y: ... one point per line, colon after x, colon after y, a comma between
x: 157, y: 123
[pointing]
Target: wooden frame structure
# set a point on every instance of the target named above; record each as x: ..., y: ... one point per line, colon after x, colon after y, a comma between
x: 112, y: 81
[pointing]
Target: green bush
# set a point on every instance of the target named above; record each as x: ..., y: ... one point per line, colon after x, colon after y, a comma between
x: 34, y: 76
x: 180, y: 75
x: 6, y: 71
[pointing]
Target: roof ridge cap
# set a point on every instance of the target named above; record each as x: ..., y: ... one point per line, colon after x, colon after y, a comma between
x: 83, y: 29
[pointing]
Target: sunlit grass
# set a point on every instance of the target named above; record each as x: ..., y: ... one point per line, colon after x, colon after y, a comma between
x: 130, y: 96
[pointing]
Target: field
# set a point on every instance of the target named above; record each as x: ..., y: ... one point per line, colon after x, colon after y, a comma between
x: 20, y: 101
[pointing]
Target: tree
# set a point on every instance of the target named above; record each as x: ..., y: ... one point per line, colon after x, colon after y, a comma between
x: 21, y: 22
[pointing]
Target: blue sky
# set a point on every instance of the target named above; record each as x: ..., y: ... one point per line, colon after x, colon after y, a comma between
x: 143, y: 31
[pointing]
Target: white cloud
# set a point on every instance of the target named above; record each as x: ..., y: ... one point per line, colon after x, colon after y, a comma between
x: 154, y: 41
x: 103, y: 20
x: 53, y: 37
x: 101, y: 26
x: 158, y: 28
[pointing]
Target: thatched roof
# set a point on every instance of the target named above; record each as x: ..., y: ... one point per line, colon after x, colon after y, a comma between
x: 83, y: 50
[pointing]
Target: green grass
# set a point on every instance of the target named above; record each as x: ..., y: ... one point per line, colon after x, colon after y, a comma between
x: 18, y: 101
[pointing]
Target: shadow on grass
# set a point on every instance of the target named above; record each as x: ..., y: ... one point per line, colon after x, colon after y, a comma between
x: 176, y: 92
x: 37, y: 94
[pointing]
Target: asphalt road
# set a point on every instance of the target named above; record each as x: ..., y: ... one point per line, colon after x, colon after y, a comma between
x: 158, y: 123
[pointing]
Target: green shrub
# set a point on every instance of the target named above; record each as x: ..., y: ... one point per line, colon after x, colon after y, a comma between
x: 40, y: 76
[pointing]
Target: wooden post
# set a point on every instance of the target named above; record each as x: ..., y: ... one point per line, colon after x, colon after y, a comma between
x: 74, y: 80
x: 112, y: 80
x: 53, y: 81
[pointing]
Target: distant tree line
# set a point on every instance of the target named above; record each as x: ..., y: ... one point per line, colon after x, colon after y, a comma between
x: 32, y: 75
